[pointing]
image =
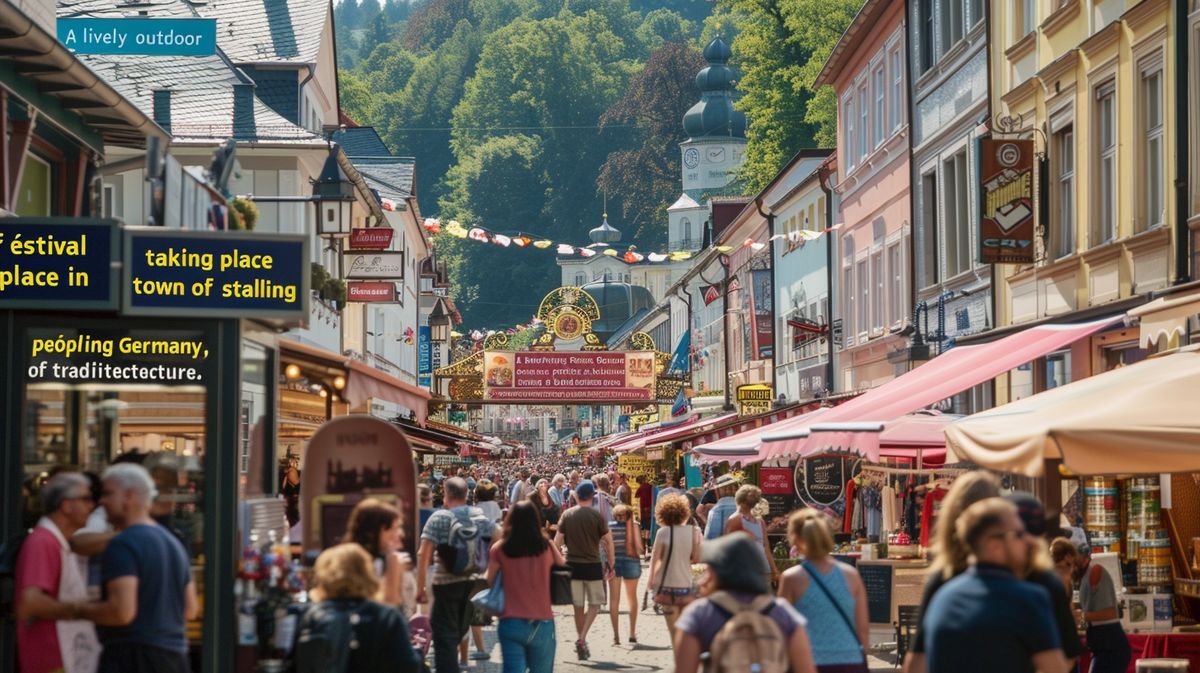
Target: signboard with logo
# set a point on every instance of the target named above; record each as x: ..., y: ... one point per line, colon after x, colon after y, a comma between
x: 424, y: 359
x: 582, y: 376
x: 226, y: 274
x: 371, y: 238
x: 138, y: 36
x: 1006, y: 221
x: 754, y: 398
x: 381, y: 265
x: 51, y: 263
x: 371, y: 292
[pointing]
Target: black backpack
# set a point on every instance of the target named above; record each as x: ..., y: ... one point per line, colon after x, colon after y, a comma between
x: 323, y: 639
x: 8, y: 575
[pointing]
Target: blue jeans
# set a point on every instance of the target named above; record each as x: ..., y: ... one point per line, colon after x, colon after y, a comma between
x: 526, y: 644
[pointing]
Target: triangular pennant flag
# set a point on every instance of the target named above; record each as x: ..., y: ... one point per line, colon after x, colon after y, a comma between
x: 501, y: 239
x: 564, y: 249
x: 456, y: 230
x: 522, y: 241
x: 748, y: 242
x: 584, y: 252
x: 610, y: 252
x: 757, y: 246
x: 633, y: 257
x: 778, y: 237
x: 724, y: 248
x: 656, y: 257
x: 680, y: 256
x: 433, y: 225
x: 543, y: 244
x: 388, y: 204
x: 477, y: 234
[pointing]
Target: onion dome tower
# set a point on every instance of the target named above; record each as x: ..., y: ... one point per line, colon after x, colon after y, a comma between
x: 605, y: 234
x: 714, y: 114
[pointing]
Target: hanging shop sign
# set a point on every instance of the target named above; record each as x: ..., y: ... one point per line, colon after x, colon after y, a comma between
x: 821, y: 480
x: 49, y: 263
x: 762, y: 333
x: 1006, y: 220
x: 371, y: 238
x: 138, y: 36
x: 382, y: 265
x: 218, y: 275
x: 636, y: 421
x: 115, y: 356
x: 424, y: 359
x: 754, y: 398
x: 371, y: 292
x: 577, y: 376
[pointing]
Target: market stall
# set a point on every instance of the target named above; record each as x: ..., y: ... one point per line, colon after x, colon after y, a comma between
x: 1123, y: 446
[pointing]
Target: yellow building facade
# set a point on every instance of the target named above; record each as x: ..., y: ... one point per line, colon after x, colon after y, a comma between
x: 1092, y: 82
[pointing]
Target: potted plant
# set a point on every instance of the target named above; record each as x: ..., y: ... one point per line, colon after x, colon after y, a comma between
x: 336, y: 291
x: 318, y: 279
x: 246, y: 214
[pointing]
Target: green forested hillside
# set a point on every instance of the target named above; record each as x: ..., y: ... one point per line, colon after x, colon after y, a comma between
x: 523, y: 114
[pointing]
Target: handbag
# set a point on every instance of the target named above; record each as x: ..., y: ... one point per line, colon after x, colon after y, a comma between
x: 672, y: 596
x: 490, y: 601
x: 560, y: 585
x: 816, y: 579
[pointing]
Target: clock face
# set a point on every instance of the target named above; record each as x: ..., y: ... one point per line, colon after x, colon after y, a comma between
x: 715, y: 155
x: 691, y: 157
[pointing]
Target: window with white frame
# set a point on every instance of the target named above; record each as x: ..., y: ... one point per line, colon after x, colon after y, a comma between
x: 895, y: 265
x: 953, y: 23
x: 849, y: 329
x: 896, y: 99
x: 957, y: 229
x: 864, y: 124
x: 848, y: 132
x: 879, y: 84
x: 1062, y: 235
x: 1026, y: 17
x: 862, y: 288
x: 1104, y: 225
x: 1151, y: 120
x: 879, y: 298
x: 930, y: 271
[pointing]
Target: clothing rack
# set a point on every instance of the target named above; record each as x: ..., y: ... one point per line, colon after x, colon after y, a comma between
x: 884, y: 471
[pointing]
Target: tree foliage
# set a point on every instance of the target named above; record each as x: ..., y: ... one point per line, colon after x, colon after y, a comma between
x: 654, y: 103
x: 780, y: 47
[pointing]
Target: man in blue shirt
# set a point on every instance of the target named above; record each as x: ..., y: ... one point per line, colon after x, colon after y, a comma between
x: 725, y: 486
x: 987, y: 620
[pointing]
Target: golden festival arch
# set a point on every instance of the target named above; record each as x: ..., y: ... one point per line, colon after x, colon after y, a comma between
x: 567, y: 313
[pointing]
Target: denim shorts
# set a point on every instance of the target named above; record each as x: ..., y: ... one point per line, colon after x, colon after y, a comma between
x: 628, y: 568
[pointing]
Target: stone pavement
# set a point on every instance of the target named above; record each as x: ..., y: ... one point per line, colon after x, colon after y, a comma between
x: 651, y: 653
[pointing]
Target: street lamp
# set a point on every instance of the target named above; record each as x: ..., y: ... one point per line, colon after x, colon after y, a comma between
x: 439, y: 324
x: 333, y: 194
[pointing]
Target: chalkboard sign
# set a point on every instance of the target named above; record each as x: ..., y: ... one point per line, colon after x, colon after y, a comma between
x: 877, y: 578
x: 824, y: 479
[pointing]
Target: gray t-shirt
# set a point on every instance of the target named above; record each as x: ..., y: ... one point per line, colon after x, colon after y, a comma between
x: 1097, y: 592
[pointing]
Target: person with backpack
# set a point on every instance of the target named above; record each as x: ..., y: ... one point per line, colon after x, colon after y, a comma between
x: 738, y: 623
x: 829, y: 594
x: 522, y: 559
x: 461, y: 536
x: 345, y: 631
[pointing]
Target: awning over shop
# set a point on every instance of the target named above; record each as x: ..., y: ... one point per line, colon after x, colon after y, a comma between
x: 366, y: 382
x: 664, y: 434
x: 943, y: 377
x: 363, y: 382
x: 1134, y: 420
x: 1166, y: 317
x: 948, y: 374
x: 739, y: 442
x: 919, y: 434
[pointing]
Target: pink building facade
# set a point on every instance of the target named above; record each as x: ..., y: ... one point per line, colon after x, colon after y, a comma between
x: 868, y: 71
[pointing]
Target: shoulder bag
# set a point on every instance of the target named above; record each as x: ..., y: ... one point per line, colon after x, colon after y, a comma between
x: 820, y: 584
x: 673, y: 596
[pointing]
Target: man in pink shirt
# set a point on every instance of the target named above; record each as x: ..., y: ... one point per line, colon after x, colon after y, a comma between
x: 49, y: 584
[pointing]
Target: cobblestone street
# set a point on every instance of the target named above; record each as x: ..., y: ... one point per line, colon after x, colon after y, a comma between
x: 651, y: 653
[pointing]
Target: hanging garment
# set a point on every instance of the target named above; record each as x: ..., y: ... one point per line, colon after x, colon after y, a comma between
x: 929, y: 513
x: 873, y: 504
x: 848, y: 516
x: 888, y: 509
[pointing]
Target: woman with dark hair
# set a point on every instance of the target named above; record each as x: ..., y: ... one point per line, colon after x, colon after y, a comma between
x: 376, y: 526
x: 524, y: 555
x: 549, y: 510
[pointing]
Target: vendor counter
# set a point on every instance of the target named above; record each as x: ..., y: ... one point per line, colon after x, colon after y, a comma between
x: 891, y: 583
x: 1157, y: 646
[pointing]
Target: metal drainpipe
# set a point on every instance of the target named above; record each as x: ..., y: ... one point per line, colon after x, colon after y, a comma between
x: 754, y: 325
x: 830, y: 376
x: 1183, y: 258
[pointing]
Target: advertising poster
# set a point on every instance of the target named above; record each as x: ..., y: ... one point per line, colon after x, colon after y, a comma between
x: 568, y: 376
x: 424, y: 359
x: 821, y: 482
x: 1006, y: 222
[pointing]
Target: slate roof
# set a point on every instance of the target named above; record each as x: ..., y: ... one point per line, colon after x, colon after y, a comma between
x: 361, y: 141
x: 202, y: 107
x: 268, y: 31
x: 392, y: 177
x: 279, y: 89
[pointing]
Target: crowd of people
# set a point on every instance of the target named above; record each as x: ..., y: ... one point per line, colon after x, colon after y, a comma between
x: 998, y: 597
